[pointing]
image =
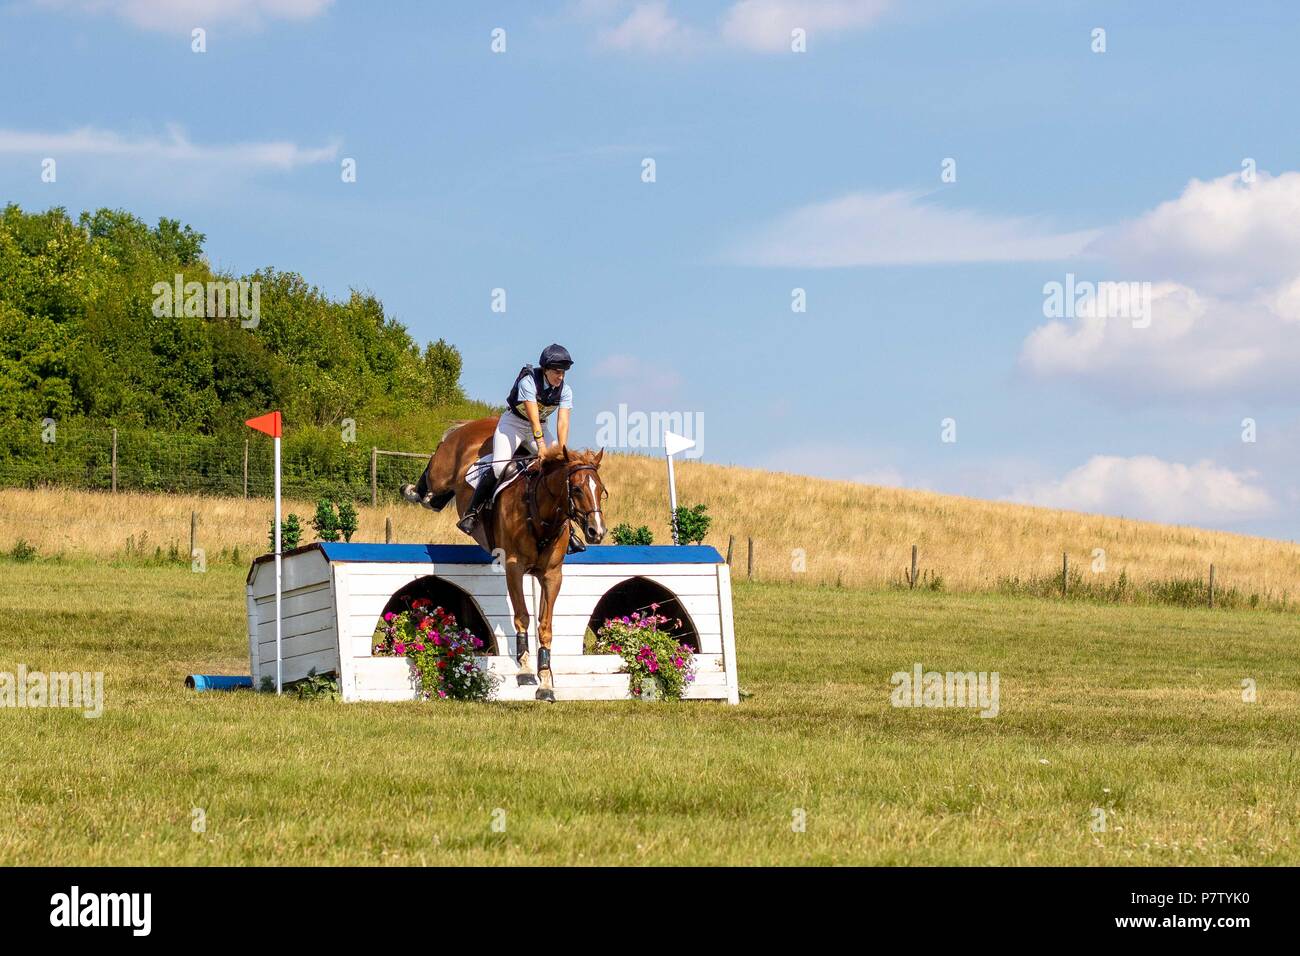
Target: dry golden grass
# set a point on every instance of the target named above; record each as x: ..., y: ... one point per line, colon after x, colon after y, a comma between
x: 858, y: 535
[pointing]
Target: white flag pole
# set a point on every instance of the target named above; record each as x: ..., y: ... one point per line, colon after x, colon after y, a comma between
x: 672, y: 498
x: 673, y: 443
x: 278, y: 682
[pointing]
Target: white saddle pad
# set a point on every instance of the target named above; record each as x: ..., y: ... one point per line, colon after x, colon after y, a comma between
x: 481, y: 467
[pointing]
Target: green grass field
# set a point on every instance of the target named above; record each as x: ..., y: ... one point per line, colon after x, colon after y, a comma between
x: 1135, y: 710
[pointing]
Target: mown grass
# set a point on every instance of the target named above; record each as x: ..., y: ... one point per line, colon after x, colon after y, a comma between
x: 1135, y: 710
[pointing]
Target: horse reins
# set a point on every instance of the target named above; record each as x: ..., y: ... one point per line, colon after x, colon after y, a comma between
x: 542, y: 533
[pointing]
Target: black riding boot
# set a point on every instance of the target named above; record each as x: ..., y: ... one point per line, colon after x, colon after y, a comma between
x: 482, y: 495
x: 575, y: 542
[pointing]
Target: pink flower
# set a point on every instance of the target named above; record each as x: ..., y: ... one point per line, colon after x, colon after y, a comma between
x: 389, y: 616
x: 420, y: 647
x: 654, y: 607
x: 399, y: 648
x: 617, y: 649
x: 437, y: 640
x: 678, y: 662
x: 441, y: 692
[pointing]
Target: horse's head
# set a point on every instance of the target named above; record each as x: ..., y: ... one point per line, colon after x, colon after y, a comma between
x: 586, y: 491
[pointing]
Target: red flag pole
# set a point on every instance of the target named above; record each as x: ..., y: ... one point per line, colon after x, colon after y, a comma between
x: 279, y: 684
x: 271, y: 424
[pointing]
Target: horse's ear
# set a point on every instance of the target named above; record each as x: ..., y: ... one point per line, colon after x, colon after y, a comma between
x: 565, y: 449
x: 599, y: 455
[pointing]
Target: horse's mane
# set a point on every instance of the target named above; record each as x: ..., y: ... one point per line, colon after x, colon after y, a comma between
x: 555, y: 453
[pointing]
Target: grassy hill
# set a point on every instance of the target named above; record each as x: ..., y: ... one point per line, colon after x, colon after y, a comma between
x: 850, y: 534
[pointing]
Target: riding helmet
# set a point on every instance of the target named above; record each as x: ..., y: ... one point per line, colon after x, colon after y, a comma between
x: 555, y: 356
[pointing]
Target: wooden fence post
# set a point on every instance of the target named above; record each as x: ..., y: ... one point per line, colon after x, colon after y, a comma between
x: 911, y: 581
x: 194, y: 532
x: 751, y: 559
x: 374, y: 476
x: 1065, y: 572
x: 114, y: 461
x: 731, y: 540
x: 1211, y: 585
x: 245, y: 467
x: 388, y: 529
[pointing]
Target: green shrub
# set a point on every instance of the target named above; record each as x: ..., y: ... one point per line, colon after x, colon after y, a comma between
x: 290, y: 534
x: 692, y: 524
x: 625, y: 534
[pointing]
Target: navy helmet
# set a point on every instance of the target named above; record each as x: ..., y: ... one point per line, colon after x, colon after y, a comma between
x: 555, y: 356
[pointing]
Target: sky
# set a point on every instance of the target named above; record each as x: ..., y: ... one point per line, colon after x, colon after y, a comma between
x: 845, y: 238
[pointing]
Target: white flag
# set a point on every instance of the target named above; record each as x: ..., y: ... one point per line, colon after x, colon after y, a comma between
x: 673, y: 443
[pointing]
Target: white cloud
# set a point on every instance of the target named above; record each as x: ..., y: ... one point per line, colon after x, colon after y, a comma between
x: 623, y: 366
x: 900, y: 228
x: 649, y: 28
x: 766, y: 25
x: 762, y: 26
x: 1147, y: 487
x: 175, y: 147
x: 184, y: 15
x: 1224, y: 265
x: 1223, y: 236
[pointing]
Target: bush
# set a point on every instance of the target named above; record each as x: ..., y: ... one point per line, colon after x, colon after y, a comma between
x: 326, y: 521
x: 692, y: 524
x: 624, y: 534
x: 290, y: 534
x: 23, y: 551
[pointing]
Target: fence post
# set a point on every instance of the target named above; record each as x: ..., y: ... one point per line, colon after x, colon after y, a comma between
x: 1065, y: 571
x: 388, y: 529
x: 751, y: 559
x: 731, y: 540
x: 1211, y: 585
x: 374, y: 476
x: 194, y: 531
x: 245, y: 467
x: 911, y: 581
x: 114, y: 461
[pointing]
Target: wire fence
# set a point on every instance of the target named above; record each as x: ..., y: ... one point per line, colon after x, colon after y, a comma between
x: 111, y: 459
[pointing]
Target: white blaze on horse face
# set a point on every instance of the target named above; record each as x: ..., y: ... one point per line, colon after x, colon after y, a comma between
x: 595, y: 504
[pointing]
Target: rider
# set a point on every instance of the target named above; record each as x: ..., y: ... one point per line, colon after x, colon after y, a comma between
x: 536, y: 394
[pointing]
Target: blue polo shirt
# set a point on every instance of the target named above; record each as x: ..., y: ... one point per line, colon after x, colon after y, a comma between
x: 528, y: 393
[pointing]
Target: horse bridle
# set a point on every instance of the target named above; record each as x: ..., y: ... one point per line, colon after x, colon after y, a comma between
x: 543, y: 534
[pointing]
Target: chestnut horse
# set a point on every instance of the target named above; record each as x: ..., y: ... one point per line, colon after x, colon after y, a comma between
x: 527, y: 528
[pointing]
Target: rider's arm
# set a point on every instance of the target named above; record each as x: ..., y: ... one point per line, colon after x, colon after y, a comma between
x: 530, y: 408
x: 562, y: 427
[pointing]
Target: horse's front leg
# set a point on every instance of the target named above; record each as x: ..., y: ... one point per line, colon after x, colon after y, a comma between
x: 515, y: 585
x: 551, y: 582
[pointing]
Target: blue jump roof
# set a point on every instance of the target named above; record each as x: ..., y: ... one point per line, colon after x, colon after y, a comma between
x: 473, y: 554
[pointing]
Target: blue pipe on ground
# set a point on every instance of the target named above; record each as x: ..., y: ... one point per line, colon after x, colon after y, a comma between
x: 216, y: 682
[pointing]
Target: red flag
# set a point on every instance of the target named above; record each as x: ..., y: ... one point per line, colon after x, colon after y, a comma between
x: 268, y: 423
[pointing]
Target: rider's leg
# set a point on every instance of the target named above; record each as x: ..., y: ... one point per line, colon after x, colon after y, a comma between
x: 504, y: 441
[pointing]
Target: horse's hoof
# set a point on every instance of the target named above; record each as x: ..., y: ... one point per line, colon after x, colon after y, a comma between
x: 411, y: 495
x: 546, y: 695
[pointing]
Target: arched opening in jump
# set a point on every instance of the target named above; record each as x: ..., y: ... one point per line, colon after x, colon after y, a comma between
x: 637, y: 594
x: 452, y: 599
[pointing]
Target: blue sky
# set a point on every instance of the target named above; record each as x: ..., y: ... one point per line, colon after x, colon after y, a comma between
x: 774, y: 170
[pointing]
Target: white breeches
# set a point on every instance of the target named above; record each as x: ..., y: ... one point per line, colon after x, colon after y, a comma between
x: 512, y: 431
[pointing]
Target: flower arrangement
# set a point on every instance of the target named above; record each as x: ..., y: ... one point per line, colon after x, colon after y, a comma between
x: 648, y: 653
x: 443, y: 653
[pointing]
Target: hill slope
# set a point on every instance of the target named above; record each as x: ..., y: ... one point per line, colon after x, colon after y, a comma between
x: 853, y: 534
